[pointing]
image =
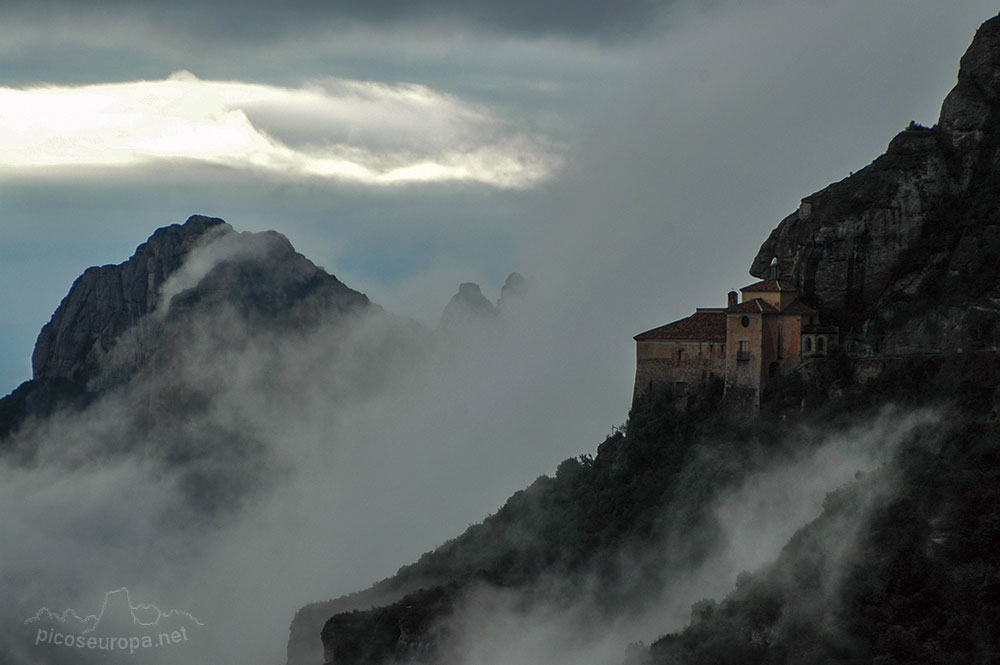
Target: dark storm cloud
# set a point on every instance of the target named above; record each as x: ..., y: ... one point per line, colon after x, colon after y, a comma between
x: 263, y: 19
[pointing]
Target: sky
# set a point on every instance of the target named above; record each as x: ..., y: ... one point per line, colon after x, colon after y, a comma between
x: 627, y: 158
x: 630, y: 156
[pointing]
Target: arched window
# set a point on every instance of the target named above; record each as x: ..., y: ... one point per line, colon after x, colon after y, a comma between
x: 819, y: 344
x: 809, y: 344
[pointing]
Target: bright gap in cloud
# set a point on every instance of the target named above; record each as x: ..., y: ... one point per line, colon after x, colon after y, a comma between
x: 356, y: 131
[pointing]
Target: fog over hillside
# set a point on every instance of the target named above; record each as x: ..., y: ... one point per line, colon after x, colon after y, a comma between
x: 264, y: 469
x: 628, y: 168
x: 755, y: 519
x: 312, y: 464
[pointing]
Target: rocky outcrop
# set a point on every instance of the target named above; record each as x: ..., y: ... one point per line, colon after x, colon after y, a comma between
x: 514, y: 289
x: 114, y: 318
x: 842, y: 246
x: 468, y: 307
x: 304, y: 644
x: 153, y: 339
x: 469, y: 310
x: 969, y: 108
x: 106, y: 301
x: 407, y: 631
x: 879, y: 245
x: 191, y: 290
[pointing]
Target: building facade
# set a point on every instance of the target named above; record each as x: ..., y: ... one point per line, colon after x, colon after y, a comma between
x: 763, y: 332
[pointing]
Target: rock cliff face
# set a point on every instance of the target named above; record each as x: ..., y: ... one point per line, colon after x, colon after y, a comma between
x: 113, y: 318
x: 193, y: 288
x: 106, y: 301
x: 879, y: 248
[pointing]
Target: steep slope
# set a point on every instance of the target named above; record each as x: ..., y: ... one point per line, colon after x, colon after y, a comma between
x: 901, y: 567
x: 106, y: 301
x: 103, y: 304
x: 903, y: 256
x: 193, y: 387
x: 613, y: 533
x: 117, y: 319
x: 111, y: 306
x: 586, y: 516
x: 148, y: 348
x: 469, y: 312
x: 907, y: 240
x: 467, y: 307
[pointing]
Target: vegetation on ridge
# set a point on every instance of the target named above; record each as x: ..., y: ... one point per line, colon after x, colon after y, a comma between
x: 617, y: 528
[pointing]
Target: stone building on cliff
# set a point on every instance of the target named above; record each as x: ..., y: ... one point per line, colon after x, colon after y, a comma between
x: 763, y: 332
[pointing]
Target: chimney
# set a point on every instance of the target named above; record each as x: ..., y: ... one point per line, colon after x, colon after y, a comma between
x: 774, y: 268
x: 733, y: 297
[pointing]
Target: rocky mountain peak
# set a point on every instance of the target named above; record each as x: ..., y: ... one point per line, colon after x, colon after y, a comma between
x: 969, y: 106
x: 470, y: 292
x: 513, y: 288
x: 514, y: 285
x: 468, y: 307
x: 105, y: 301
x: 112, y: 313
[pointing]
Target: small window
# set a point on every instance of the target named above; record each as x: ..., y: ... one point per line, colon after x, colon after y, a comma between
x: 745, y: 321
x: 819, y: 344
x: 680, y: 356
x: 809, y: 345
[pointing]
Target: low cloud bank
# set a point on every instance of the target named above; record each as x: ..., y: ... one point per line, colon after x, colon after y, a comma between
x: 260, y: 469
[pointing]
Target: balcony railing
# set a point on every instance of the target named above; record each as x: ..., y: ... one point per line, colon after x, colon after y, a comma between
x: 743, y: 356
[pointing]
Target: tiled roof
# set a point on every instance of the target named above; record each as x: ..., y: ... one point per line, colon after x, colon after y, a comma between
x: 706, y: 325
x: 755, y: 306
x: 798, y: 307
x: 770, y: 285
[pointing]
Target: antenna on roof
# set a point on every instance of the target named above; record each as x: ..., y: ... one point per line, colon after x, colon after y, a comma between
x: 774, y: 268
